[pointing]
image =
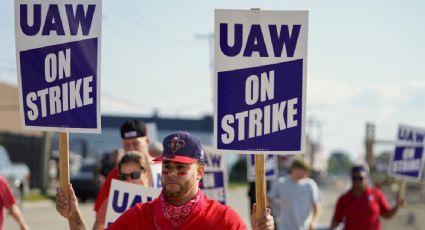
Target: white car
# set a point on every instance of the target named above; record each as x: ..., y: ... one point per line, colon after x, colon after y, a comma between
x: 17, y: 174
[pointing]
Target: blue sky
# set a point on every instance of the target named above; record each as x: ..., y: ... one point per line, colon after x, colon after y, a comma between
x: 366, y: 61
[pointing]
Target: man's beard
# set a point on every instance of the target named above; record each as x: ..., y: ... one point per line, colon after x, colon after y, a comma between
x: 181, y: 190
x: 173, y: 194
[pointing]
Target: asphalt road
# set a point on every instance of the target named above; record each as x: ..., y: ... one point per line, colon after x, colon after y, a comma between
x: 42, y: 215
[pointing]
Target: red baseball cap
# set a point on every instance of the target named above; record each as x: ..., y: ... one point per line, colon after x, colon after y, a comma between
x: 182, y: 147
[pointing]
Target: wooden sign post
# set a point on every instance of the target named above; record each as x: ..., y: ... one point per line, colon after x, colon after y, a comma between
x: 260, y: 185
x: 402, y: 190
x: 64, y: 162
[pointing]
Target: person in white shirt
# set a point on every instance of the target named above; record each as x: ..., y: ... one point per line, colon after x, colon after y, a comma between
x: 297, y: 196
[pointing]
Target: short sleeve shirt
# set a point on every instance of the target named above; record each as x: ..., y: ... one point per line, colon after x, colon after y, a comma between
x: 295, y: 201
x: 361, y: 212
x: 6, y: 198
x: 212, y: 215
x: 104, y: 190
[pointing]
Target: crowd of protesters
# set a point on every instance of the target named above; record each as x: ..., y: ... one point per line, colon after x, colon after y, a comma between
x: 182, y: 205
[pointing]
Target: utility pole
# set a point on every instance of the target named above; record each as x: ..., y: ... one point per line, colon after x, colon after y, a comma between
x: 210, y: 39
x: 46, y: 151
x: 315, y: 131
x: 370, y: 140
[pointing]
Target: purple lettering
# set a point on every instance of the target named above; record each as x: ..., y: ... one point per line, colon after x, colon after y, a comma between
x: 27, y: 29
x: 255, y: 42
x: 228, y: 50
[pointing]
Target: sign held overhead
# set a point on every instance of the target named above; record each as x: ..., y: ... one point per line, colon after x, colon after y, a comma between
x: 260, y: 83
x: 407, y: 160
x: 58, y: 59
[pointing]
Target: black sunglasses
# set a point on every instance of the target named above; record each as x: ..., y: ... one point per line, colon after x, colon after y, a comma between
x: 357, y: 178
x: 133, y: 175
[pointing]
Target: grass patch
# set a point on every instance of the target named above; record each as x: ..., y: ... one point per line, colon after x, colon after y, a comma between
x: 232, y: 185
x: 35, y: 196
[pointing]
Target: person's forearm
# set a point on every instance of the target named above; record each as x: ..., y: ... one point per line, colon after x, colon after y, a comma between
x: 76, y: 222
x: 98, y: 225
x: 390, y: 213
x: 334, y: 224
x: 316, y: 214
x: 17, y: 216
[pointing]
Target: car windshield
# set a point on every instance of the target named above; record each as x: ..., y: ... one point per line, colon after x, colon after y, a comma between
x: 87, y: 168
x: 4, y: 158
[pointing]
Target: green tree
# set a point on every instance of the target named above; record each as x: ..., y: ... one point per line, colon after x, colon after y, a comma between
x: 238, y: 171
x: 339, y: 163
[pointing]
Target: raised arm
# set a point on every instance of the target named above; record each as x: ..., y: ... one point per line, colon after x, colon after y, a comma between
x: 69, y: 209
x: 264, y: 222
x: 393, y: 211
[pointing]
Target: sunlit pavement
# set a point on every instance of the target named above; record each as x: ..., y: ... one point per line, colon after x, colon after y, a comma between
x: 42, y: 215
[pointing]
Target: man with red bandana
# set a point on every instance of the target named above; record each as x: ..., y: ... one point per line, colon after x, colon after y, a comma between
x: 181, y: 205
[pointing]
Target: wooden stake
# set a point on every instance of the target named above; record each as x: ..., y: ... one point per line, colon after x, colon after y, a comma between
x: 64, y: 163
x: 260, y: 185
x: 402, y: 191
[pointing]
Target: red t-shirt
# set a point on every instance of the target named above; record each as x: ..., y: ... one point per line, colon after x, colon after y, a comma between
x: 209, y: 215
x: 6, y: 198
x: 104, y: 191
x: 361, y: 212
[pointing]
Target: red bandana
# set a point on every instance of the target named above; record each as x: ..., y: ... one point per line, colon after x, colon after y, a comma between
x: 177, y: 215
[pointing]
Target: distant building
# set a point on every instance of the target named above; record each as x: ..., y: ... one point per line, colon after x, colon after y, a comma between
x: 22, y: 145
x: 314, y: 155
x: 158, y: 127
x: 10, y: 115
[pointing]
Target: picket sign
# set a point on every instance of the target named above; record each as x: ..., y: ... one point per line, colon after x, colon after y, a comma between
x: 124, y: 195
x: 271, y: 168
x: 260, y: 85
x: 58, y: 68
x: 407, y: 161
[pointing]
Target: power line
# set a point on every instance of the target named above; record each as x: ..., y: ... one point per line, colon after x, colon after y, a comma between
x: 131, y: 102
x: 146, y: 25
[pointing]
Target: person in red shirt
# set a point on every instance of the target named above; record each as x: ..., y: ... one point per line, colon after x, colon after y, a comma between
x: 7, y: 200
x: 181, y: 205
x: 134, y: 138
x: 361, y: 206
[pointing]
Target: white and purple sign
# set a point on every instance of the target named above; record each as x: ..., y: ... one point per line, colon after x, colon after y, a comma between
x: 260, y: 83
x: 156, y: 170
x: 213, y: 183
x: 408, y: 158
x: 58, y: 60
x: 270, y: 169
x: 124, y: 195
